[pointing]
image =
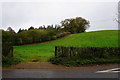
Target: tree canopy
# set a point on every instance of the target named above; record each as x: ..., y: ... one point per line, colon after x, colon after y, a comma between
x: 10, y: 30
x: 75, y: 25
x: 31, y: 28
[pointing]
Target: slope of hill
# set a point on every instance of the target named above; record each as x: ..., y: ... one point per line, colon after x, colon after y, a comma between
x: 42, y: 52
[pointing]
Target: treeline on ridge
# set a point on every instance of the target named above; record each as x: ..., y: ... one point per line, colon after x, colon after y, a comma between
x: 32, y: 36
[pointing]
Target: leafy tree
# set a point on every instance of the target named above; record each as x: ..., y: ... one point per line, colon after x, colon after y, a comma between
x: 76, y: 25
x: 58, y: 28
x: 20, y: 30
x: 40, y: 27
x: 10, y: 30
x: 44, y: 27
x: 31, y: 28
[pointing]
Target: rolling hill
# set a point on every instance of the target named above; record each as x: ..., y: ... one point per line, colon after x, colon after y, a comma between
x: 42, y: 52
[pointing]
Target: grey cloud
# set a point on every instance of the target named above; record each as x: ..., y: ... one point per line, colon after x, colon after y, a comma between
x: 26, y: 14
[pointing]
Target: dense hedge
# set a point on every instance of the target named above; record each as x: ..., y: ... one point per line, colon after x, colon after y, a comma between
x: 34, y: 36
x: 85, y: 55
x: 87, y: 52
x: 37, y: 36
x: 7, y: 43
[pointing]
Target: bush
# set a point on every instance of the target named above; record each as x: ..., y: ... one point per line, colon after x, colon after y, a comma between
x: 87, y: 52
x: 35, y: 36
x: 75, y: 56
x: 8, y: 40
x: 63, y: 34
x: 8, y: 61
x: 79, y: 62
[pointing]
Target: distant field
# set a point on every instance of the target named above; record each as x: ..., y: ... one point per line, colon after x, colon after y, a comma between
x: 42, y: 52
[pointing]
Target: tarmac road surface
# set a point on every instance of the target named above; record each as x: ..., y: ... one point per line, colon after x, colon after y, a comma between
x: 103, y: 71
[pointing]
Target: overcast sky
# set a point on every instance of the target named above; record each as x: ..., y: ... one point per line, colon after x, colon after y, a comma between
x: 25, y: 14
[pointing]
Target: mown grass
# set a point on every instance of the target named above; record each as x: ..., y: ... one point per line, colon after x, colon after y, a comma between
x: 43, y: 52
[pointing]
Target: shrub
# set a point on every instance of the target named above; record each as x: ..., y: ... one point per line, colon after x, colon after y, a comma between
x: 75, y: 56
x: 63, y: 34
x: 8, y: 61
x: 87, y: 52
x: 35, y: 36
x: 8, y: 40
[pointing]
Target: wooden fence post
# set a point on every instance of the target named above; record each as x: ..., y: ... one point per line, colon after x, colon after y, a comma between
x: 12, y: 53
x: 55, y: 50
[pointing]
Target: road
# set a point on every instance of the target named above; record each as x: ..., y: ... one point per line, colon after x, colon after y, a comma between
x: 56, y: 74
x: 59, y: 74
x: 106, y: 71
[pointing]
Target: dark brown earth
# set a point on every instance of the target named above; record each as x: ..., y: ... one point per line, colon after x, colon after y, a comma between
x: 49, y: 66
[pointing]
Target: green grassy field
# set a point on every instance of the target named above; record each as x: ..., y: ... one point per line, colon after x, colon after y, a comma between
x: 42, y: 52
